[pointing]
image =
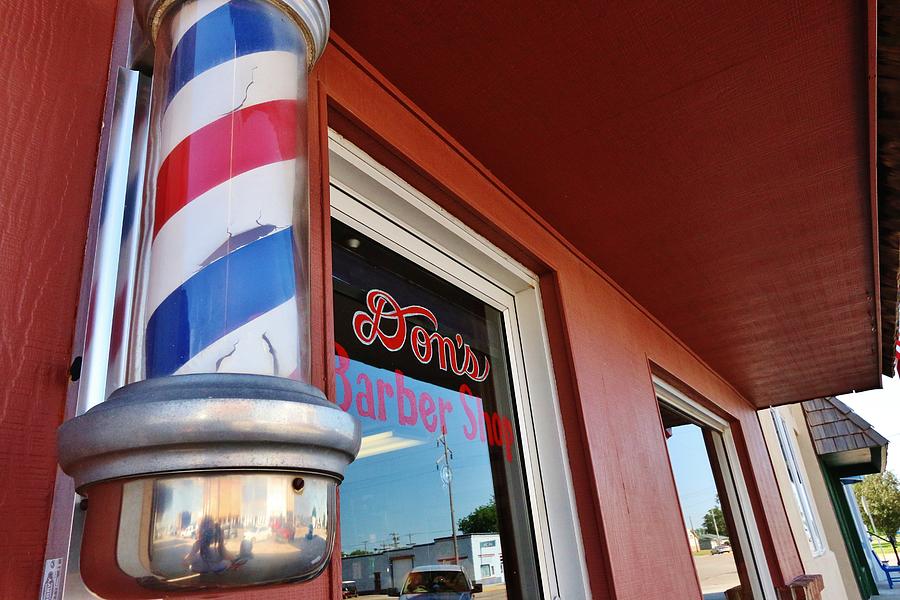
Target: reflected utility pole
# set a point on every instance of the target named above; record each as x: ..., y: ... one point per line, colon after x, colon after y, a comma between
x: 447, y: 477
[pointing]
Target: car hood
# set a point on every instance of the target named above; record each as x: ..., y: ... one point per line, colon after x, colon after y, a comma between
x: 438, y: 596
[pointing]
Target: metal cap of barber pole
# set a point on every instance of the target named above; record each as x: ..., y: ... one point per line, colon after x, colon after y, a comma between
x: 312, y: 16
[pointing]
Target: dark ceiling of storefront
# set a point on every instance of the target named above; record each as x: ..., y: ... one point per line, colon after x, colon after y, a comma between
x: 712, y: 157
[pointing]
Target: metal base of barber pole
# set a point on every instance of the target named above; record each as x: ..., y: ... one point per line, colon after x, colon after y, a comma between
x: 206, y: 482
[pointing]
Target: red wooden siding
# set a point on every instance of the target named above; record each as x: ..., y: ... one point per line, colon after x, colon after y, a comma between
x: 53, y: 57
x: 609, y: 339
x: 603, y: 343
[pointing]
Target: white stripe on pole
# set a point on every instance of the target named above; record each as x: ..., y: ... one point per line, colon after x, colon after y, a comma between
x: 254, y: 347
x: 239, y: 83
x: 259, y: 198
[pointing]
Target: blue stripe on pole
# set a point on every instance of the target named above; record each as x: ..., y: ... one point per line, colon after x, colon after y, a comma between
x: 221, y: 297
x: 236, y: 29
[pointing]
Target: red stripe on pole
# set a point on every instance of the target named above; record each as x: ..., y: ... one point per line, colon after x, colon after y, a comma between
x: 238, y: 142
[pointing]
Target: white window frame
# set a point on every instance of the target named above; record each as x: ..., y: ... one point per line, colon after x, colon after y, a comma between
x: 736, y: 490
x: 808, y: 516
x: 379, y: 204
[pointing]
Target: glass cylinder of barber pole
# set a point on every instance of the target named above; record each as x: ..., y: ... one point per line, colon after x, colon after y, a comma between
x: 227, y: 288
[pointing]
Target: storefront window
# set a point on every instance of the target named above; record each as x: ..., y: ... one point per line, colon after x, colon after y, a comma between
x: 439, y: 478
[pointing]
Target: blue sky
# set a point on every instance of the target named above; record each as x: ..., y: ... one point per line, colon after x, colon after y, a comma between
x: 693, y: 473
x: 881, y: 408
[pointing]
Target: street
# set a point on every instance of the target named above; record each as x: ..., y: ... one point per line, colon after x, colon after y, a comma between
x: 717, y: 573
x: 271, y: 559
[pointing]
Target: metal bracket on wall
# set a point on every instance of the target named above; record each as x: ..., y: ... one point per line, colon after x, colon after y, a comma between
x: 109, y: 269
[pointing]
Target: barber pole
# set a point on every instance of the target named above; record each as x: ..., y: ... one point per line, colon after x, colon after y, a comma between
x: 219, y: 418
x: 229, y: 117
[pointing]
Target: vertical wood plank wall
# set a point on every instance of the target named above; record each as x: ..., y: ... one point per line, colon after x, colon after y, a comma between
x: 53, y: 59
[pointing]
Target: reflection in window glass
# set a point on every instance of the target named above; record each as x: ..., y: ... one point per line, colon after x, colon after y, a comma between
x: 424, y: 366
x: 705, y: 515
x: 435, y: 582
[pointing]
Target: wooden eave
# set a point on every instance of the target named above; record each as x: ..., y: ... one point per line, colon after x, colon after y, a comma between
x: 842, y: 438
x: 717, y: 162
x: 889, y: 177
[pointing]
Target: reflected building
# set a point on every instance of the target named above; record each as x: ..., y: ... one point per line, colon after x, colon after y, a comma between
x: 480, y: 556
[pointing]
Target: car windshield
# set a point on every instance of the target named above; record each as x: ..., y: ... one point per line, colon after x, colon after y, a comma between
x: 436, y: 581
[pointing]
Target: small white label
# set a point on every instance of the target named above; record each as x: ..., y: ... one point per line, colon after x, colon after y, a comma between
x: 50, y: 580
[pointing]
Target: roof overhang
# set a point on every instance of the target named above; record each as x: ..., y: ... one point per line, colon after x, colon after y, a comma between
x: 889, y: 177
x: 717, y: 161
x: 845, y: 442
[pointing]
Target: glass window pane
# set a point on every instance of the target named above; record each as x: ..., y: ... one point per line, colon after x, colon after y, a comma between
x: 424, y: 365
x: 801, y: 495
x: 707, y: 516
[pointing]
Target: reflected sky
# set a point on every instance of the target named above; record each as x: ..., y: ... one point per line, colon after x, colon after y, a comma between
x: 395, y: 487
x: 693, y: 473
x: 262, y: 498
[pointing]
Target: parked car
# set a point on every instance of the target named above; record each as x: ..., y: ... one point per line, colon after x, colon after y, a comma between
x: 189, y: 531
x: 436, y: 582
x: 721, y: 548
x: 348, y: 589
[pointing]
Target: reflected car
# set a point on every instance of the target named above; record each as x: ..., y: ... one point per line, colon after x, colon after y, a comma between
x: 437, y: 582
x: 721, y: 548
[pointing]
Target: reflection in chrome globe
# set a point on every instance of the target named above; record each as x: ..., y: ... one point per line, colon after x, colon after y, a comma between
x: 225, y: 529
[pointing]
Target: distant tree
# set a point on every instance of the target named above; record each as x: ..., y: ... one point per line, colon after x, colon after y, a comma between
x: 878, y: 497
x: 358, y: 552
x: 714, y: 520
x: 481, y: 520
